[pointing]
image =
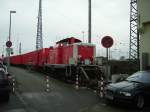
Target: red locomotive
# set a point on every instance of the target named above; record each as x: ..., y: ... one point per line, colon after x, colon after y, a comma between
x: 62, y: 60
x: 71, y: 51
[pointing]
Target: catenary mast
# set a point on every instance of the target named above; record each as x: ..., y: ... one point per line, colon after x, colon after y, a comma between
x: 39, y: 38
x: 134, y: 35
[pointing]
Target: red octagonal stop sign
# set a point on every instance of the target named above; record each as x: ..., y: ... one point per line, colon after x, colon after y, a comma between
x: 8, y: 43
x: 107, y: 41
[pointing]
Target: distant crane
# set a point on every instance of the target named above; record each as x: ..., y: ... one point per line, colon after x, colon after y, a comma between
x: 134, y: 35
x: 39, y: 38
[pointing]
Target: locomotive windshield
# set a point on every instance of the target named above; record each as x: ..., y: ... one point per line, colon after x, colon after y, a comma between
x: 70, y: 40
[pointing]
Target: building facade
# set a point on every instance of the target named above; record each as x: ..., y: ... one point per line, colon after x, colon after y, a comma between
x: 144, y: 31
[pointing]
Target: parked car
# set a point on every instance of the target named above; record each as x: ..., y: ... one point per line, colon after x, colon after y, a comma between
x: 4, y: 85
x: 134, y: 90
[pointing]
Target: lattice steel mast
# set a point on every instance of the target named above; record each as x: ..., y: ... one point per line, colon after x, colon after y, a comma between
x: 39, y: 38
x: 134, y: 36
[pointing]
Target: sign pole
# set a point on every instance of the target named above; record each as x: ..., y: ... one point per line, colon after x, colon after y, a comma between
x: 8, y: 57
x: 107, y: 42
x: 107, y: 54
x: 107, y: 73
x: 8, y: 44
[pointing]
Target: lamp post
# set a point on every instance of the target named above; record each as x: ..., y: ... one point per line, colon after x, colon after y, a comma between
x: 10, y: 24
x: 9, y: 43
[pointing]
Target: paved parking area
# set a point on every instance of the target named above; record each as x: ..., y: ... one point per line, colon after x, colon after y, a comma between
x: 31, y: 96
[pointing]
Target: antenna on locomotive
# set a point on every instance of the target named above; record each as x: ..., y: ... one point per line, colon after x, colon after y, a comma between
x: 39, y: 38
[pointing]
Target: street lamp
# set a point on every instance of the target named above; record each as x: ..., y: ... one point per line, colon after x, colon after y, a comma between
x: 10, y: 24
x: 9, y: 43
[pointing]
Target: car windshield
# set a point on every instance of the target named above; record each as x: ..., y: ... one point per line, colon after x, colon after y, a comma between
x: 142, y: 77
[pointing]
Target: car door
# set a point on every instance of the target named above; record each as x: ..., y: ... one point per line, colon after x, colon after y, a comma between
x: 146, y: 91
x: 145, y: 81
x: 3, y: 81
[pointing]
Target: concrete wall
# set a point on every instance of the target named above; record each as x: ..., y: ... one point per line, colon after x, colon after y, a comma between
x: 144, y: 30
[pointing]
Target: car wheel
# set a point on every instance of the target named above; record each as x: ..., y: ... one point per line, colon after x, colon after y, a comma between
x: 140, y: 102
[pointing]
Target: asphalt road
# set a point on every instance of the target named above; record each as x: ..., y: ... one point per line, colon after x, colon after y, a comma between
x: 30, y: 96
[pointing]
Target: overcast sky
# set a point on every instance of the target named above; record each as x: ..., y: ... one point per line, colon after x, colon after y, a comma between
x: 66, y: 18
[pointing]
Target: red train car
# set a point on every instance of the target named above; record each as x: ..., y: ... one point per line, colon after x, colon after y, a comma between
x: 68, y: 51
x: 71, y: 51
x: 16, y: 60
x: 30, y: 58
x: 43, y: 57
x: 35, y: 58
